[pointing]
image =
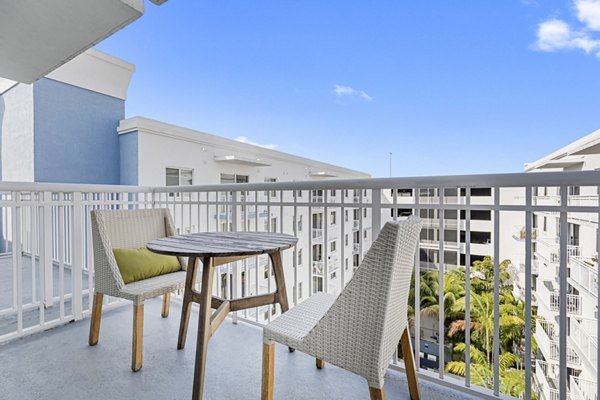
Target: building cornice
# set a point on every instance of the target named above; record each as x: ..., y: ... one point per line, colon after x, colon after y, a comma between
x: 149, y: 126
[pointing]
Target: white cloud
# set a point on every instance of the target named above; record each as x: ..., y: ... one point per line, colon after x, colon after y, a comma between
x: 588, y: 12
x: 556, y: 34
x: 341, y: 91
x: 244, y: 139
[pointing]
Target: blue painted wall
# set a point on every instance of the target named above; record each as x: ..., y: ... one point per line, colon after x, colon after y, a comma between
x: 75, y: 134
x: 129, y: 158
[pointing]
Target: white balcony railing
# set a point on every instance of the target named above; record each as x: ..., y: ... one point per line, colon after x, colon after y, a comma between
x: 584, y: 271
x: 46, y: 245
x: 547, y: 335
x: 584, y: 337
x: 551, y: 299
x: 582, y: 389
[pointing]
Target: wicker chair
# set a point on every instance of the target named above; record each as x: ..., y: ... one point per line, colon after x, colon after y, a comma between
x: 129, y: 229
x: 359, y: 330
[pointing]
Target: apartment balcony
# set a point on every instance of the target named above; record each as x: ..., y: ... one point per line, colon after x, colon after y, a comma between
x: 550, y: 299
x: 546, y: 377
x: 47, y: 277
x: 521, y: 234
x: 67, y: 368
x: 549, y: 249
x: 546, y: 334
x: 584, y: 274
x: 584, y: 201
x: 436, y: 223
x: 318, y: 234
x: 582, y: 389
x: 584, y: 338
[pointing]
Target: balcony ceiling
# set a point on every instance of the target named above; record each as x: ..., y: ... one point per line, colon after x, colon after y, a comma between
x: 36, y: 36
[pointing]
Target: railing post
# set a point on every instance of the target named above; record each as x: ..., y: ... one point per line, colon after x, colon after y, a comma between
x: 77, y: 261
x: 16, y: 260
x: 375, y: 213
x: 563, y: 284
x: 235, y: 278
x: 46, y: 249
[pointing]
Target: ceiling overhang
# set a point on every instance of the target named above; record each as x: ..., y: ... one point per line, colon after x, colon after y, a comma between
x: 37, y: 37
x: 251, y: 162
x: 322, y: 174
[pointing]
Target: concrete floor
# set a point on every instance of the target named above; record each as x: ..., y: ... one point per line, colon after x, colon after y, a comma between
x: 59, y: 364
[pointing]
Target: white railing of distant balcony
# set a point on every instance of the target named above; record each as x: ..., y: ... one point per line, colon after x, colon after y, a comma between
x: 584, y: 336
x: 547, y: 334
x: 51, y: 224
x: 552, y: 299
x: 584, y: 271
x: 582, y: 389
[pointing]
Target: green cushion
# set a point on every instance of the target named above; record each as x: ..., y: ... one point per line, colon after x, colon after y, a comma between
x: 138, y: 264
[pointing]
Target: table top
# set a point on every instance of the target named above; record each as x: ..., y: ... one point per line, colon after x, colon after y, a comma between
x: 222, y: 244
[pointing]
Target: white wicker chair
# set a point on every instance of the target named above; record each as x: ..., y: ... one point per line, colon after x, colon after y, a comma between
x: 129, y: 229
x: 359, y: 330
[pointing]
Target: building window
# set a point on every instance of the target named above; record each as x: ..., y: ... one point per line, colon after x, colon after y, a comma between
x: 365, y: 213
x: 333, y: 218
x: 273, y: 224
x: 234, y: 178
x: 300, y: 223
x: 346, y: 215
x: 332, y: 192
x: 300, y: 290
x: 545, y: 224
x: 317, y: 284
x: 179, y: 177
x: 273, y: 192
x: 346, y: 264
x: 333, y: 275
x: 299, y: 193
x: 300, y: 257
x: 365, y: 234
x: 346, y: 193
x: 332, y: 246
x: 346, y: 239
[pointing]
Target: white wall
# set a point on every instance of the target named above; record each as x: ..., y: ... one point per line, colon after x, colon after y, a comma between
x: 16, y: 131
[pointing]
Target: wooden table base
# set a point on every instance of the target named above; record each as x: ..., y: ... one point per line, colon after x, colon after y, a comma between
x: 209, y: 321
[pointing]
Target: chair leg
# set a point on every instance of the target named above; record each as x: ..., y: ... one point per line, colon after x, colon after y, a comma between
x: 138, y: 334
x: 268, y: 371
x: 95, y: 320
x: 409, y: 366
x: 166, y: 304
x: 377, y: 393
x: 320, y: 363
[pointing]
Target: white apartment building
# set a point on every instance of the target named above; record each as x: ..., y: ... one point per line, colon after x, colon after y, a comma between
x: 70, y: 127
x: 158, y: 154
x: 582, y: 263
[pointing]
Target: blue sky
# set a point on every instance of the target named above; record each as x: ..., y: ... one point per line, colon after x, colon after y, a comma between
x: 449, y: 87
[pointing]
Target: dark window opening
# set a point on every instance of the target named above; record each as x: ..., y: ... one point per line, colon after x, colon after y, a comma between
x: 477, y: 215
x: 477, y: 237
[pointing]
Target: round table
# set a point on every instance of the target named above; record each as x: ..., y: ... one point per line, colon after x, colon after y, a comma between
x: 217, y: 248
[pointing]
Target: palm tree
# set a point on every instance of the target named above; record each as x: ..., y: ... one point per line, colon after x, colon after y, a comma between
x: 512, y: 381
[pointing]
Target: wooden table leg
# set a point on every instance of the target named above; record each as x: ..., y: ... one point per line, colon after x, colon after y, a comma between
x: 186, y: 308
x: 281, y: 293
x: 204, y: 329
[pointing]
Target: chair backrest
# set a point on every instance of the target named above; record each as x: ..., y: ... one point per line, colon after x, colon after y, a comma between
x: 123, y: 229
x: 361, y: 330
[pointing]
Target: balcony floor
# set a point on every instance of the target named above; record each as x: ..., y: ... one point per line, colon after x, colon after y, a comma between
x: 58, y: 364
